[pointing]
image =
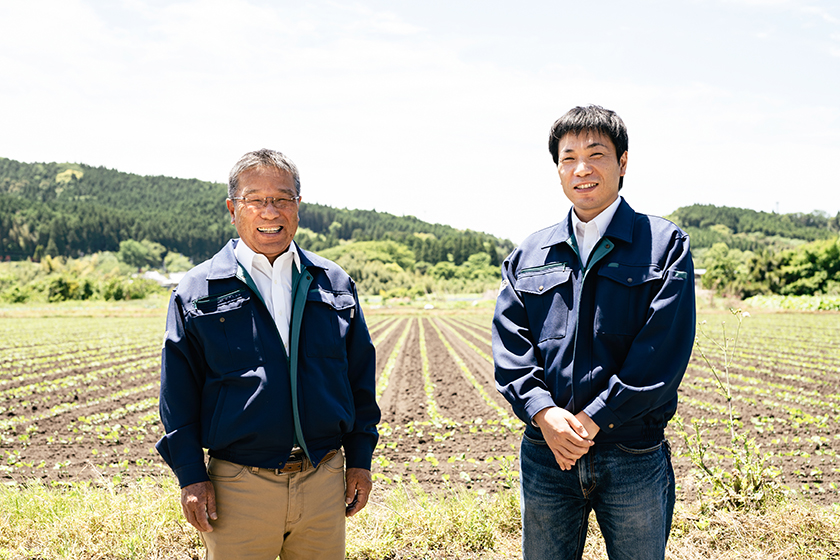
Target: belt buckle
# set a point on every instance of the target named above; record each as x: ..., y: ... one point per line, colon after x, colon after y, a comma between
x: 295, y: 463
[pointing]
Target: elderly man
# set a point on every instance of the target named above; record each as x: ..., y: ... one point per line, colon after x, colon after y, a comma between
x: 592, y: 333
x: 268, y: 364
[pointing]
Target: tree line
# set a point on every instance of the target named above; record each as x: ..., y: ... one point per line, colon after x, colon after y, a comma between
x: 745, y: 253
x: 751, y: 229
x: 62, y: 210
x: 69, y: 210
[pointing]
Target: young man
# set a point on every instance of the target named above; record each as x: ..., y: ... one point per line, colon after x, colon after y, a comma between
x: 268, y: 364
x: 593, y: 329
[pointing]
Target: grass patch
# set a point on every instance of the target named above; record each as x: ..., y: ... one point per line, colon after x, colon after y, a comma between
x: 153, y: 305
x: 454, y: 523
x: 143, y: 521
x: 86, y: 521
x: 796, y: 303
x: 789, y: 530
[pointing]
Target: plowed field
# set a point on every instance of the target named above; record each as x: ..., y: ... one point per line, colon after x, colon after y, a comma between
x: 78, y: 399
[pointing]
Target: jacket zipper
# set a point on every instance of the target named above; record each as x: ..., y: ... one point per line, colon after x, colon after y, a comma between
x: 607, y: 246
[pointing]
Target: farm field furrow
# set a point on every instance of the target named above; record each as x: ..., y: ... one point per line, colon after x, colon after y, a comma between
x: 385, y: 340
x: 479, y: 360
x: 797, y: 362
x: 78, y: 399
x: 786, y: 395
x: 50, y: 379
x: 377, y: 325
x: 480, y: 322
x: 478, y: 338
x: 481, y: 331
x: 405, y: 383
x: 462, y: 438
x: 457, y: 398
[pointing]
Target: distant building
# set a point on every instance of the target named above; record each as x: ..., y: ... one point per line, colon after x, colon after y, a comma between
x: 168, y: 281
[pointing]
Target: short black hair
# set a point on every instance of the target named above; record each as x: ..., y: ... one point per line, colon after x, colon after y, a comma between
x: 592, y: 118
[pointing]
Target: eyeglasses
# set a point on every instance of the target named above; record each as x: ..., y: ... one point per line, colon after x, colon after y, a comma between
x: 260, y: 203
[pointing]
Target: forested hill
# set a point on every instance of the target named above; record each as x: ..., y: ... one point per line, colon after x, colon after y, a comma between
x: 750, y: 230
x: 72, y: 209
x: 69, y: 209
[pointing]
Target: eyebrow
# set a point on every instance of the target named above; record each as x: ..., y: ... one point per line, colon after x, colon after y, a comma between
x: 592, y: 145
x: 255, y: 191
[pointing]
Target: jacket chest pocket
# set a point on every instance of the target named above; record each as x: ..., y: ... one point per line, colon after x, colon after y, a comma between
x: 325, y: 322
x: 226, y: 325
x: 623, y: 295
x: 547, y: 292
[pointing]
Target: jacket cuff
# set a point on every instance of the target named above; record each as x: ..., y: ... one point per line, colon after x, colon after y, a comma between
x: 358, y: 450
x: 191, y: 474
x: 601, y: 414
x: 533, y: 406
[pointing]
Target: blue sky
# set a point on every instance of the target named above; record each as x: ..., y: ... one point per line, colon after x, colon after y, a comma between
x: 436, y: 109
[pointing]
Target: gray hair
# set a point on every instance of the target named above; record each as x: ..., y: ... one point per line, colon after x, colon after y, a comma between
x: 262, y: 158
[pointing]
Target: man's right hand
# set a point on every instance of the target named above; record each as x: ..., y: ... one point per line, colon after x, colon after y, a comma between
x: 564, y: 434
x: 199, y: 504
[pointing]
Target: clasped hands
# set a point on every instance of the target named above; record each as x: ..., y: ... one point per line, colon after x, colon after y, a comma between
x: 569, y: 436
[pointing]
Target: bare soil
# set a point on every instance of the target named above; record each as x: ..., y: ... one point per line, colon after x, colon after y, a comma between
x: 91, y: 432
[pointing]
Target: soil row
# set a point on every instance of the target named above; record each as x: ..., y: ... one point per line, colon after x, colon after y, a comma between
x: 106, y: 428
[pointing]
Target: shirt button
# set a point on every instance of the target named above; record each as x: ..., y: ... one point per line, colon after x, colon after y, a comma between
x: 540, y: 289
x: 221, y: 319
x: 630, y: 280
x: 611, y: 426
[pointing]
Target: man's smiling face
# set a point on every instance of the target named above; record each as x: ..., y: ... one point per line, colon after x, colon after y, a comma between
x: 268, y: 231
x: 589, y: 171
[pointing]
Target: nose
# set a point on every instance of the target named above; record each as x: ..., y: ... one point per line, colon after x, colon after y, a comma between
x: 269, y: 210
x: 582, y: 168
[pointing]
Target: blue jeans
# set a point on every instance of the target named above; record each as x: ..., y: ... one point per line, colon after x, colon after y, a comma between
x: 629, y: 486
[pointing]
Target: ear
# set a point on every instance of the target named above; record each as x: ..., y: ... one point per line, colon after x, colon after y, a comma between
x: 622, y: 163
x: 232, y: 209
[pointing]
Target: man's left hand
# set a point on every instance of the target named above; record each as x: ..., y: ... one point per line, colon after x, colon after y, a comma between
x: 359, y: 485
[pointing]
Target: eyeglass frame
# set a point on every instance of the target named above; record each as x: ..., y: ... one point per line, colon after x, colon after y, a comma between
x: 264, y: 201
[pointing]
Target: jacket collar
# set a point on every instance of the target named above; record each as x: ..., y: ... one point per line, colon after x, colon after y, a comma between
x: 309, y: 259
x: 224, y: 265
x: 621, y: 226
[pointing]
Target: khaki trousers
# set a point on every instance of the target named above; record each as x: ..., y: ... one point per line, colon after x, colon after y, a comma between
x: 262, y: 515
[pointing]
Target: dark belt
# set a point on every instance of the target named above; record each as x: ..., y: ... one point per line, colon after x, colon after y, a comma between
x: 298, y: 462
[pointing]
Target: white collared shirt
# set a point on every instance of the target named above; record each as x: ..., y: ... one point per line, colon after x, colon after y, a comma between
x: 273, y: 281
x: 587, y: 234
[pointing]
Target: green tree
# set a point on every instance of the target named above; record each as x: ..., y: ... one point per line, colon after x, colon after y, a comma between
x: 176, y: 262
x: 812, y: 269
x: 142, y: 254
x: 725, y: 269
x: 444, y: 270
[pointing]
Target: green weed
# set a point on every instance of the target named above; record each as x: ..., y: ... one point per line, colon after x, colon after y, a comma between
x: 748, y: 482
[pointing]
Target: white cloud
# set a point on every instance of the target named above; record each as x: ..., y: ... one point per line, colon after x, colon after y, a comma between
x: 363, y: 19
x: 820, y: 12
x: 380, y: 112
x: 761, y: 3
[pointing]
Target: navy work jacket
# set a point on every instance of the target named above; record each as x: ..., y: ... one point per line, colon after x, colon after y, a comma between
x: 612, y: 338
x: 227, y: 384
